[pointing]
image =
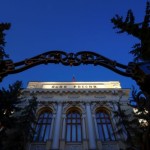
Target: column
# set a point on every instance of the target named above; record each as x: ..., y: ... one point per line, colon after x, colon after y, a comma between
x: 84, y: 137
x: 64, y: 127
x: 52, y: 127
x: 83, y: 127
x: 49, y: 142
x: 55, y: 144
x: 99, y: 143
x: 96, y: 129
x: 92, y: 142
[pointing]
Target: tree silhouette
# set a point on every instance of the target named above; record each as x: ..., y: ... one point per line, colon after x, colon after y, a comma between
x: 3, y: 27
x: 16, y: 117
x: 141, y: 51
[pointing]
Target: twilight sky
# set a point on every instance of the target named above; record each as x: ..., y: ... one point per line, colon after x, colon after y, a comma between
x: 38, y: 26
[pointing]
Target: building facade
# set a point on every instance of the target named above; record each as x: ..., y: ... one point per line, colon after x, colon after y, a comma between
x: 77, y: 115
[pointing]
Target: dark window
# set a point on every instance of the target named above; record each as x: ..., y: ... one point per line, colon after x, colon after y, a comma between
x: 104, y: 125
x: 73, y: 127
x: 43, y: 127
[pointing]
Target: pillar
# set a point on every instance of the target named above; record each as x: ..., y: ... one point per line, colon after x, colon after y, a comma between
x: 92, y: 142
x: 96, y: 129
x: 49, y: 141
x: 52, y: 127
x: 64, y: 127
x: 83, y: 128
x: 84, y: 136
x: 55, y: 144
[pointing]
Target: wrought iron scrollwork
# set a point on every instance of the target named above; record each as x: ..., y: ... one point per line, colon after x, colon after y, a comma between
x: 86, y: 57
x: 67, y: 59
x: 140, y: 72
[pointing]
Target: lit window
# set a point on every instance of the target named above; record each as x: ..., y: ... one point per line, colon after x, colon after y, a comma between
x: 43, y: 127
x: 104, y: 125
x: 73, y: 127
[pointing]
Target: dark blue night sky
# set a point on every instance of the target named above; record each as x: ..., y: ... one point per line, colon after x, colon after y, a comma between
x: 69, y: 25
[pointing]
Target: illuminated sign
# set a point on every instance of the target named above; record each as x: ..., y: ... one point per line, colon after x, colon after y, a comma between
x: 69, y: 86
x: 76, y: 85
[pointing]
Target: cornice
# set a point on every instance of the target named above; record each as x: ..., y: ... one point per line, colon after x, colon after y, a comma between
x: 77, y: 91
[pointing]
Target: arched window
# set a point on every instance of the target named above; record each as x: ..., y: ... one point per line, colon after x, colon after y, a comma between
x: 43, y: 126
x: 73, y: 126
x: 104, y: 125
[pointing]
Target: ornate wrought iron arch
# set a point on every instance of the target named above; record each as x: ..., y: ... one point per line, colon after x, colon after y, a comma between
x: 139, y: 72
x: 67, y: 59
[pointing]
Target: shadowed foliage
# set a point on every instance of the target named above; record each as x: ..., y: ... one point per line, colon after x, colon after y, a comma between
x: 141, y: 51
x: 3, y: 27
x: 17, y: 116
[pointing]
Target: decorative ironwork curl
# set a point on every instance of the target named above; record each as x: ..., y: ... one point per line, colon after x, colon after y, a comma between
x: 86, y: 57
x: 67, y: 59
x: 140, y: 72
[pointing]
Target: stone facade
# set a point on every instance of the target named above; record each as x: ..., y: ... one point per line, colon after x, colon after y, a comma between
x: 87, y: 98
